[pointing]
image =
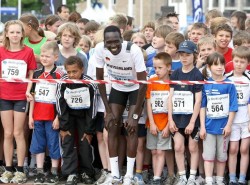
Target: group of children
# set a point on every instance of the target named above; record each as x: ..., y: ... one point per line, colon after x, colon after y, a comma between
x: 204, y: 125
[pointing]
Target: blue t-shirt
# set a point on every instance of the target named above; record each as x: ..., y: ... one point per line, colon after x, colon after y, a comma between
x: 176, y: 64
x: 216, y: 126
x: 150, y: 65
x: 182, y: 120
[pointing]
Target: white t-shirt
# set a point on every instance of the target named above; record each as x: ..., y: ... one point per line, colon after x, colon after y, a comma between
x: 92, y: 73
x: 243, y: 94
x: 122, y: 66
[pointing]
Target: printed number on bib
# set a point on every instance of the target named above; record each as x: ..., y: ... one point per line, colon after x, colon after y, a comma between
x: 183, y: 102
x: 12, y: 68
x: 242, y: 94
x: 45, y: 93
x: 159, y: 101
x: 218, y: 106
x: 77, y: 98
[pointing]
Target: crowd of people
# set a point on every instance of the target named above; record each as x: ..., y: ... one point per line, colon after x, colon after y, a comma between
x: 168, y: 131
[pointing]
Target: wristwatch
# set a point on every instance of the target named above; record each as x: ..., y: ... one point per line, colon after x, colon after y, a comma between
x: 135, y: 116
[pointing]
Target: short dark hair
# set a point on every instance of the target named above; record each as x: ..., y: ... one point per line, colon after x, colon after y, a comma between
x: 59, y: 9
x: 73, y: 60
x: 130, y: 20
x: 82, y: 20
x: 112, y: 28
x: 173, y: 14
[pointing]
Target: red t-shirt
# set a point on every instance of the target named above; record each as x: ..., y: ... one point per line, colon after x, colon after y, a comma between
x: 228, y: 55
x: 15, y: 91
x: 46, y: 111
x: 230, y: 67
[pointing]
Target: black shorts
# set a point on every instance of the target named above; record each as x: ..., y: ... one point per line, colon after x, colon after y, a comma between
x: 121, y: 97
x: 142, y: 131
x: 16, y: 105
x: 194, y: 135
x: 99, y: 121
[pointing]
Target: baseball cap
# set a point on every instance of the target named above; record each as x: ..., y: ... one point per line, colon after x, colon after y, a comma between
x: 187, y: 46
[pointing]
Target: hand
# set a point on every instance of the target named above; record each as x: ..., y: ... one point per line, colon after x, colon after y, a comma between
x: 203, y: 133
x: 200, y: 61
x: 165, y: 132
x: 226, y: 131
x: 172, y: 127
x: 109, y: 120
x: 88, y: 137
x: 153, y: 129
x: 189, y: 129
x: 31, y: 123
x: 131, y: 125
x: 55, y: 124
x: 29, y: 97
x: 63, y: 134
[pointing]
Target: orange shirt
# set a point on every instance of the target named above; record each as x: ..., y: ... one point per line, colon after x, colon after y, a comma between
x: 160, y: 119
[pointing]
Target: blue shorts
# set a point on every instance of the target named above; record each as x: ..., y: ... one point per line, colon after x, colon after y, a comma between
x: 44, y: 135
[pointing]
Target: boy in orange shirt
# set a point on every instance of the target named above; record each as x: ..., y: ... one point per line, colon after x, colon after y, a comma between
x: 158, y: 138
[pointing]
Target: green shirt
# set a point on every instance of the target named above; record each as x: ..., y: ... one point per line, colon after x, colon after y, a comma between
x: 36, y: 47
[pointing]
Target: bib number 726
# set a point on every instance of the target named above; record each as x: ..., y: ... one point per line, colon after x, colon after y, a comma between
x: 76, y: 100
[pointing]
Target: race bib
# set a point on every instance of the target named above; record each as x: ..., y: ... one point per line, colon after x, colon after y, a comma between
x: 159, y: 101
x: 12, y: 68
x: 45, y: 93
x: 218, y: 106
x: 183, y: 102
x: 242, y: 94
x: 77, y: 98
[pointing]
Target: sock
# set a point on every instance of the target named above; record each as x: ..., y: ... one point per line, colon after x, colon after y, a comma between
x: 19, y: 168
x: 54, y: 170
x: 232, y: 177
x: 25, y: 161
x: 33, y: 161
x: 9, y: 168
x: 219, y: 179
x: 156, y: 177
x: 1, y: 162
x: 242, y: 178
x: 138, y: 171
x: 39, y: 170
x: 130, y: 166
x: 183, y: 175
x: 192, y: 174
x: 106, y: 170
x: 209, y: 180
x: 114, y: 167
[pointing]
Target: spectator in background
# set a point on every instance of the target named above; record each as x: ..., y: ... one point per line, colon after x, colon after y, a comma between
x: 81, y: 24
x: 63, y: 12
x: 120, y: 20
x: 238, y: 19
x: 74, y: 16
x: 174, y: 19
x: 130, y: 23
x: 91, y: 28
x: 52, y: 22
x: 210, y: 15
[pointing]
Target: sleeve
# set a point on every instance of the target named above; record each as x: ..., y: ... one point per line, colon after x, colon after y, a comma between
x: 99, y: 55
x: 137, y: 57
x: 31, y: 61
x: 233, y: 104
x: 203, y: 99
x: 89, y: 124
x: 62, y: 108
x: 173, y: 77
x: 149, y: 88
x: 199, y: 77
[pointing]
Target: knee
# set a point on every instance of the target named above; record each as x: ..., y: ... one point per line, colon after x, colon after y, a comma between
x: 233, y: 150
x: 193, y: 148
x: 8, y: 135
x: 244, y: 150
x: 18, y: 133
x: 179, y: 148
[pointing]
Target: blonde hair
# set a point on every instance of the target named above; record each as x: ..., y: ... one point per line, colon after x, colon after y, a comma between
x: 206, y: 40
x: 242, y: 52
x: 87, y: 40
x: 99, y: 37
x: 174, y: 38
x: 72, y: 28
x: 6, y: 41
x: 120, y: 20
x: 163, y: 31
x: 140, y: 35
x: 216, y: 22
x: 50, y: 45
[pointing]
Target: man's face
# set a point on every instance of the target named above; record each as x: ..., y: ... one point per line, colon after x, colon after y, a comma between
x: 113, y: 42
x: 64, y: 14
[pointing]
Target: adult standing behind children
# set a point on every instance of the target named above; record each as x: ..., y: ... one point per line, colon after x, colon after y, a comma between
x: 123, y: 63
x: 17, y: 61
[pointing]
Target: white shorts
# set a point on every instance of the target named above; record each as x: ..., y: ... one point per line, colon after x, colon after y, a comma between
x: 239, y: 131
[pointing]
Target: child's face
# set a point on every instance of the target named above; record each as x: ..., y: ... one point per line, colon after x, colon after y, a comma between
x: 222, y: 39
x: 196, y: 34
x: 170, y: 49
x: 158, y: 42
x: 67, y: 39
x: 205, y: 50
x: 14, y: 34
x: 247, y: 44
x: 84, y: 46
x: 217, y: 70
x: 48, y: 58
x: 91, y: 34
x: 149, y: 34
x: 161, y: 69
x: 139, y: 41
x: 81, y: 26
x: 54, y: 27
x: 240, y: 64
x: 187, y: 59
x: 175, y: 23
x: 74, y: 72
